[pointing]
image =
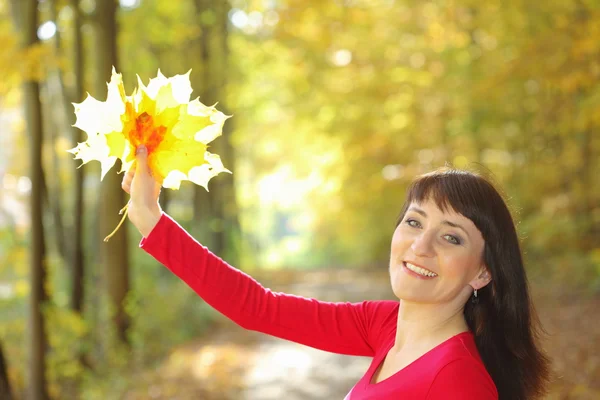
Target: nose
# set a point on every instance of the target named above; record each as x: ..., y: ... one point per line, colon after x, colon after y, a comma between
x: 422, y: 246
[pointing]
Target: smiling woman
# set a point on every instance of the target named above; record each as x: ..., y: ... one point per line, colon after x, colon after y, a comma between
x: 455, y: 240
x: 486, y: 261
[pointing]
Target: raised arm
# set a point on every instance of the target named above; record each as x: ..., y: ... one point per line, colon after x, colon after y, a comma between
x: 345, y: 328
x: 337, y: 327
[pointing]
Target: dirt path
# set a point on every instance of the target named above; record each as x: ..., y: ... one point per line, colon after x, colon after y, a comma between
x: 235, y: 364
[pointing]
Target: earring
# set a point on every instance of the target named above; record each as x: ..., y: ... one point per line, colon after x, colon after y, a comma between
x: 475, y: 299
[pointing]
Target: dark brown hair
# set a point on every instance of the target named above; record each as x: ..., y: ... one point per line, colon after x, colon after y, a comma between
x: 504, y: 321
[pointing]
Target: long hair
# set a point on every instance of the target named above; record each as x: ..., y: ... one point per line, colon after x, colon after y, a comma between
x: 504, y: 321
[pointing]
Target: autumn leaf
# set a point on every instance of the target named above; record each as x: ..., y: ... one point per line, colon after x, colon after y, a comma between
x: 175, y: 130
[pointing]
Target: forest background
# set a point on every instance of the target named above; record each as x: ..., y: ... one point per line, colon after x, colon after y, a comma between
x: 336, y: 106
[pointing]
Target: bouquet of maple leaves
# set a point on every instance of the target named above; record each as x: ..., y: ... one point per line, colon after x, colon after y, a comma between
x: 175, y: 130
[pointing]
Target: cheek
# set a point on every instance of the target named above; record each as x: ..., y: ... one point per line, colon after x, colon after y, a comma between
x: 459, y: 266
x: 400, y: 239
x: 399, y: 243
x: 395, y: 240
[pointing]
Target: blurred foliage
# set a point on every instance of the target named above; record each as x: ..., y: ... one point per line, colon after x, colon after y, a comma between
x: 353, y: 106
x: 336, y: 106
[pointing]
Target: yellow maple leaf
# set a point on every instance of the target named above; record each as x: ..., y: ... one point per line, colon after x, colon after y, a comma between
x: 175, y: 130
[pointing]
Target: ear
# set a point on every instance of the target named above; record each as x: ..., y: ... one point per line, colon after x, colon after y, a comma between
x: 482, y: 279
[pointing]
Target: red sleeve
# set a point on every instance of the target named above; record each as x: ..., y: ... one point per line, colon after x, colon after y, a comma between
x: 346, y: 328
x: 462, y: 379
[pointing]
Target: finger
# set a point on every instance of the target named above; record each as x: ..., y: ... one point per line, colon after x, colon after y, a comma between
x: 131, y: 170
x: 126, y: 182
x: 128, y: 177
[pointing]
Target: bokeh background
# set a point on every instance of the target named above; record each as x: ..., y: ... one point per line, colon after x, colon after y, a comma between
x: 337, y: 105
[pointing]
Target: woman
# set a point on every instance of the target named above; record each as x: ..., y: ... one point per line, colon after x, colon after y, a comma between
x: 464, y: 327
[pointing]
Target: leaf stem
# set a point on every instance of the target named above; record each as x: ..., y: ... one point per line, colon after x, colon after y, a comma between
x: 124, y: 212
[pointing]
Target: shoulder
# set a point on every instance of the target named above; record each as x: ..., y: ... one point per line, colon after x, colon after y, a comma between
x: 460, y: 346
x: 380, y: 313
x: 381, y: 308
x: 380, y: 319
x: 462, y: 377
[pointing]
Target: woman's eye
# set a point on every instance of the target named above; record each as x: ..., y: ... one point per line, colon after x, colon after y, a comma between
x: 452, y: 239
x: 413, y: 222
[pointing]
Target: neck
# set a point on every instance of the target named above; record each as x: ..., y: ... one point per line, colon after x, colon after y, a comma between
x: 427, y: 325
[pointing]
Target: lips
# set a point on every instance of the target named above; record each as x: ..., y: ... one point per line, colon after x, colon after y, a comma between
x: 418, y: 270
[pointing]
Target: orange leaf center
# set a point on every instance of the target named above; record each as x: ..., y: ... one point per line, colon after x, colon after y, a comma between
x: 145, y: 132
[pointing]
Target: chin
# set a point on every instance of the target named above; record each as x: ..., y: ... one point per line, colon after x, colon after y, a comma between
x: 403, y: 292
x: 405, y: 289
x: 409, y: 295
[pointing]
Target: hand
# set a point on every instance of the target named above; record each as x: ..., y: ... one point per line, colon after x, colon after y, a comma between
x: 143, y: 209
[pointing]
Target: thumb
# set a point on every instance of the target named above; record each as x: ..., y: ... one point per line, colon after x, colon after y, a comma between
x: 142, y: 169
x: 142, y: 181
x: 143, y: 208
x: 145, y: 189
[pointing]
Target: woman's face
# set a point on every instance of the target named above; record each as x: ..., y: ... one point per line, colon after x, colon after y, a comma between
x: 436, y: 257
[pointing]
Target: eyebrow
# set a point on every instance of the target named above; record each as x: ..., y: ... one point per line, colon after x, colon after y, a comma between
x: 446, y: 222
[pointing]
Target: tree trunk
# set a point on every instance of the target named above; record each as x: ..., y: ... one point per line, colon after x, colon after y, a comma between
x: 37, y: 339
x: 27, y: 14
x: 5, y: 390
x: 52, y: 191
x: 232, y: 230
x: 56, y: 123
x: 114, y: 253
x: 78, y: 266
x: 216, y: 212
x: 202, y: 209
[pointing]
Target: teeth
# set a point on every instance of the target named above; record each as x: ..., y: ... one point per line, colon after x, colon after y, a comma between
x: 419, y: 270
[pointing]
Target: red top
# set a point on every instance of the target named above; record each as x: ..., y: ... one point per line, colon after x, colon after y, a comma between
x: 452, y: 370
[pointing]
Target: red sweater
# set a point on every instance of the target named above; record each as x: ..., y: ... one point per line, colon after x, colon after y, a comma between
x: 452, y: 370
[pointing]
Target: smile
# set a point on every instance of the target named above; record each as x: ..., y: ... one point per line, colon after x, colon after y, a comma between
x: 419, y: 270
